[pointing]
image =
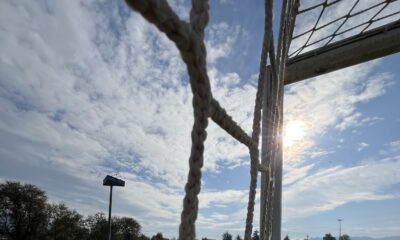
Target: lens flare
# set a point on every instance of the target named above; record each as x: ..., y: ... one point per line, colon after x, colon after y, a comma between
x: 294, y: 132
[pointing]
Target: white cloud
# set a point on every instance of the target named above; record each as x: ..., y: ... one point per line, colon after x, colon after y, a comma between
x: 391, y: 148
x: 355, y: 120
x: 89, y: 89
x: 391, y: 229
x: 296, y: 173
x: 221, y: 38
x: 208, y: 199
x: 361, y: 146
x: 330, y: 101
x: 349, y: 121
x: 333, y: 187
x: 319, y: 153
x: 125, y: 92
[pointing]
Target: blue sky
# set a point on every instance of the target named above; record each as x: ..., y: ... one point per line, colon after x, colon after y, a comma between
x: 88, y: 88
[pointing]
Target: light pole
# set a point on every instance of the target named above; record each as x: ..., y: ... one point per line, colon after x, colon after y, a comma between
x: 340, y: 227
x: 111, y: 181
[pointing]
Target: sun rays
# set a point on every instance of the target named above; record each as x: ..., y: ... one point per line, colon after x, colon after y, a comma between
x: 294, y: 131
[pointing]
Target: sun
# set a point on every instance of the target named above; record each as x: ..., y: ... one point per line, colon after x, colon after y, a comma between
x: 293, y: 132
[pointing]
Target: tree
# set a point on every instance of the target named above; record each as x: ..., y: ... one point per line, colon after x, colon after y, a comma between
x: 143, y: 237
x: 121, y: 228
x: 23, y: 212
x: 126, y: 228
x: 98, y: 226
x: 238, y: 237
x: 226, y: 236
x: 158, y: 236
x: 286, y: 238
x: 66, y: 224
x: 328, y: 236
x: 345, y: 237
x: 255, y: 235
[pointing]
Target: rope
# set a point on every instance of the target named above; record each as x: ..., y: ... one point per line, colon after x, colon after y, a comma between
x: 199, y: 16
x: 220, y: 117
x: 189, y: 39
x: 201, y: 102
x: 254, y: 152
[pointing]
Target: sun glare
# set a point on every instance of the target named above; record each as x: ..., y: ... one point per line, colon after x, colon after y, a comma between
x: 294, y: 131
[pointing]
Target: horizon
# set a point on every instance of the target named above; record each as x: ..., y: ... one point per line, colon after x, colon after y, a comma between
x: 89, y: 88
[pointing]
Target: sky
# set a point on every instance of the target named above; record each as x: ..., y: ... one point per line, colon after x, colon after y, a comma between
x: 89, y: 88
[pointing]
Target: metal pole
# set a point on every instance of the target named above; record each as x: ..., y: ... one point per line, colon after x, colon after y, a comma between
x: 271, y: 156
x: 265, y: 139
x: 277, y: 200
x: 109, y: 214
x: 340, y: 228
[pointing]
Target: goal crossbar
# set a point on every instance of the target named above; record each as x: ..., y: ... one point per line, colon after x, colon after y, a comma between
x: 373, y: 44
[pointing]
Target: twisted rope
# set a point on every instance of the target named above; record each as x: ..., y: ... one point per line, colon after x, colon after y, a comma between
x: 220, y: 117
x: 254, y: 152
x: 189, y: 39
x: 201, y: 103
x: 199, y: 16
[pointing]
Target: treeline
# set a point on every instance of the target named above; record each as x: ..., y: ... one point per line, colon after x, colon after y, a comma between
x: 329, y: 236
x: 26, y: 214
x: 256, y: 236
x: 228, y: 236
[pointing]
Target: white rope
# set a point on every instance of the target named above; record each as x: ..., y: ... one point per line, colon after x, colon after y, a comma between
x: 220, y: 117
x: 254, y: 152
x: 189, y: 39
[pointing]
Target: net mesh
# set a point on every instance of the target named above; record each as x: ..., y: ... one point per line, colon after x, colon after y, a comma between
x: 320, y: 23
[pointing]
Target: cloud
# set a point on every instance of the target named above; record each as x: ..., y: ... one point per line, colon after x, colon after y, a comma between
x: 391, y: 148
x: 355, y: 120
x: 296, y: 173
x: 221, y: 38
x: 89, y: 88
x: 361, y: 146
x: 208, y: 199
x: 384, y: 232
x: 321, y: 191
x: 319, y: 153
x: 122, y: 88
x: 324, y: 104
x: 330, y: 101
x: 349, y: 121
